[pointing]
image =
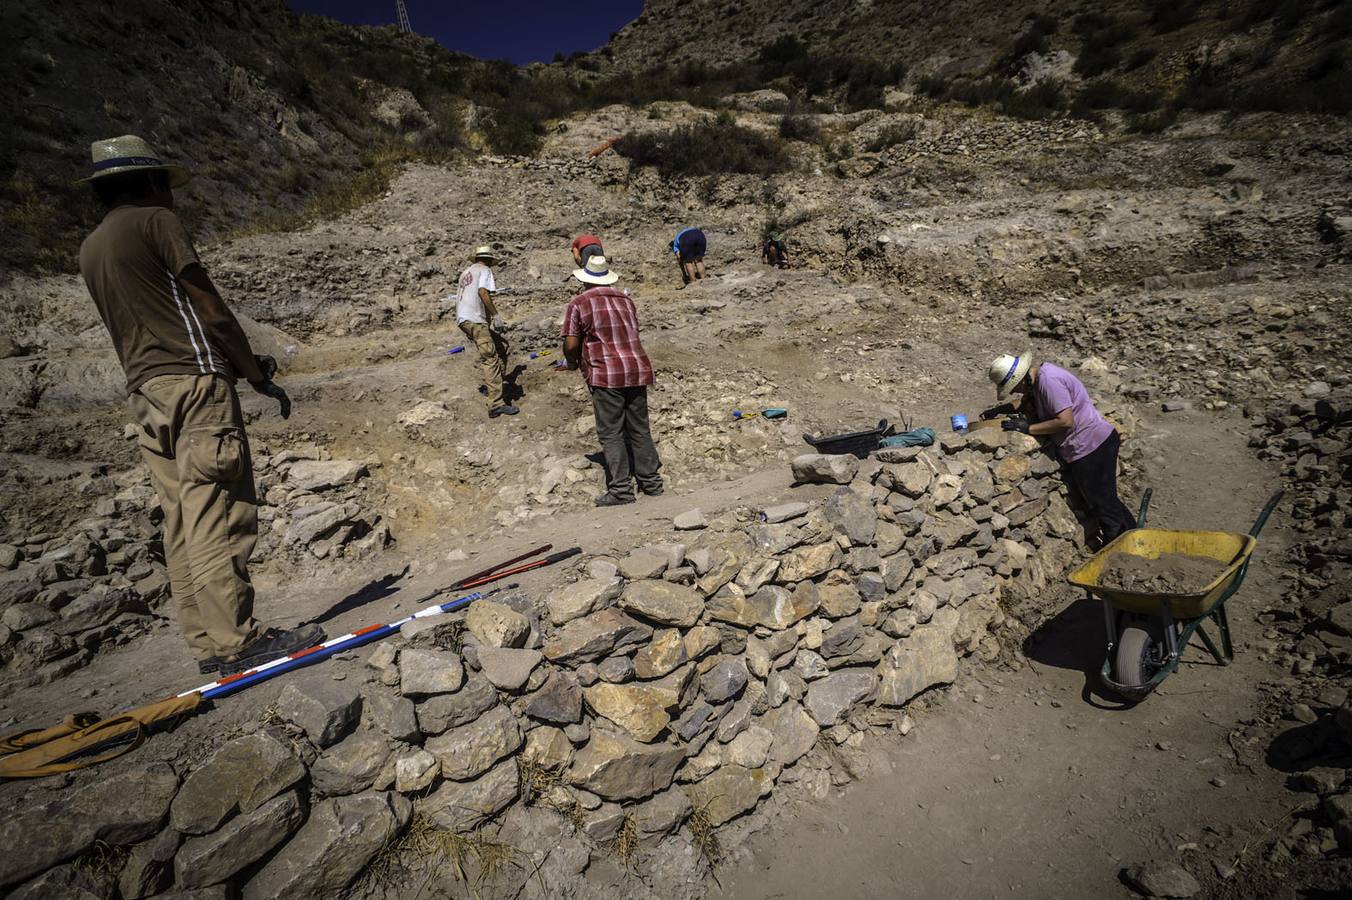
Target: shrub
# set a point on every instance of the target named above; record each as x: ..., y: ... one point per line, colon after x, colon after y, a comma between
x: 1140, y: 57
x: 1171, y: 15
x: 799, y: 127
x: 893, y: 134
x: 1107, y: 93
x: 1095, y: 59
x: 1041, y: 101
x: 707, y: 148
x: 1154, y: 122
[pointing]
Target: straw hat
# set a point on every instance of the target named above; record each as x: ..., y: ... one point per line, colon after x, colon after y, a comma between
x: 483, y: 251
x: 596, y: 271
x: 129, y: 153
x: 1007, y: 371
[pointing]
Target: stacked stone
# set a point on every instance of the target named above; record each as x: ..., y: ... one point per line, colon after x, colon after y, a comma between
x: 63, y: 599
x: 685, y: 677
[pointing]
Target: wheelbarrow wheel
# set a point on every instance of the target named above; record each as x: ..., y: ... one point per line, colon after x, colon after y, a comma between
x: 1138, y: 652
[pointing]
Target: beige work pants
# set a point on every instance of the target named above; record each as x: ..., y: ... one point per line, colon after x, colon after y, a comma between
x: 492, y: 349
x: 192, y: 438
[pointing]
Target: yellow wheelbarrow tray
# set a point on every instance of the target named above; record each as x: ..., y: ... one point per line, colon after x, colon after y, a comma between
x: 1148, y: 631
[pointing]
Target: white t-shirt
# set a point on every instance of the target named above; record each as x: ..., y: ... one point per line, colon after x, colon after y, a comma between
x: 470, y: 307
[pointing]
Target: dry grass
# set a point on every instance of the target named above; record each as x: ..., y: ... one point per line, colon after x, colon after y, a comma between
x: 102, y: 861
x: 534, y: 779
x: 427, y: 847
x: 625, y: 843
x: 704, y: 834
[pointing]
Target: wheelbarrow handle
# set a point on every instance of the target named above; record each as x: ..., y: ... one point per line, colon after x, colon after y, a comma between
x: 1267, y: 511
x: 1145, y: 505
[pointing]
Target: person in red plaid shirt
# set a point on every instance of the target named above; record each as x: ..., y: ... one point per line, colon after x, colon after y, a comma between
x: 600, y: 337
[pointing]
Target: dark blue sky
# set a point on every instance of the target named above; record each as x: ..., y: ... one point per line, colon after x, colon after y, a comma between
x: 520, y: 30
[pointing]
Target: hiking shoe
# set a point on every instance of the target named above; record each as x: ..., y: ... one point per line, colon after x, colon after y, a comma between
x: 652, y: 492
x: 483, y: 389
x: 209, y: 665
x: 273, y: 644
x: 611, y: 500
x: 506, y: 409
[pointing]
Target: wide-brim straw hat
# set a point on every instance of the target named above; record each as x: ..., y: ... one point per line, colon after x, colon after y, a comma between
x: 1007, y: 371
x: 129, y: 153
x: 596, y: 271
x: 483, y: 251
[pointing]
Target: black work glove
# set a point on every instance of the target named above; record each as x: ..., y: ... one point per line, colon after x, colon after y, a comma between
x: 269, y: 388
x: 1015, y: 423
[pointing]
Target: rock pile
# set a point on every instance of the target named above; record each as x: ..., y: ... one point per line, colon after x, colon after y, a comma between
x: 684, y: 679
x: 103, y: 583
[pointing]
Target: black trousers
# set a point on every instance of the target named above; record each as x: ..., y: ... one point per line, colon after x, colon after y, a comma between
x: 626, y: 441
x: 1094, y: 478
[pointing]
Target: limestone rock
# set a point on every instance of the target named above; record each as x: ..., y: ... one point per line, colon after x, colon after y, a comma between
x: 751, y: 748
x: 724, y: 681
x: 783, y: 512
x: 663, y: 654
x: 442, y: 711
x: 120, y: 808
x: 497, y: 624
x: 808, y: 562
x: 923, y: 660
x: 595, y: 637
x: 326, y: 709
x: 351, y: 765
x: 690, y: 520
x: 549, y: 748
x: 242, y: 775
x: 559, y: 700
x: 845, y: 637
x: 469, y: 750
x: 331, y: 848
x: 839, y: 595
x: 701, y: 640
x: 506, y: 668
x: 581, y: 598
x: 729, y: 792
x: 618, y: 767
x: 319, y: 475
x: 829, y: 698
x: 238, y: 844
x: 662, y: 814
x: 911, y: 479
x: 149, y: 867
x: 824, y: 468
x: 795, y: 732
x: 391, y: 713
x: 663, y: 602
x: 640, y: 709
x: 852, y: 513
x: 415, y: 772
x: 1162, y: 879
x: 424, y: 672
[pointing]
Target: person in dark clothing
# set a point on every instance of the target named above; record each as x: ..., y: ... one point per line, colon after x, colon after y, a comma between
x: 689, y: 247
x: 1050, y: 402
x: 774, y: 251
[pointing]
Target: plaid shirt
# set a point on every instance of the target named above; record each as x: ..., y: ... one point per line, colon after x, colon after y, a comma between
x: 612, y: 355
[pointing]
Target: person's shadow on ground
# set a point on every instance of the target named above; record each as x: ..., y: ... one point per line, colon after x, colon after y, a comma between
x: 1076, y: 639
x: 369, y: 593
x: 511, y: 390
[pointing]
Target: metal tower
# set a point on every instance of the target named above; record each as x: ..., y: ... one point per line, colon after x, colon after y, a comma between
x: 404, y: 26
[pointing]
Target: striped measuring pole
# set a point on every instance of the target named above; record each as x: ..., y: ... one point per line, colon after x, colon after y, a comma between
x: 240, y: 680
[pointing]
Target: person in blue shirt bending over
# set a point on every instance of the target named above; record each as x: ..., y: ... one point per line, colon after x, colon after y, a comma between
x: 689, y: 248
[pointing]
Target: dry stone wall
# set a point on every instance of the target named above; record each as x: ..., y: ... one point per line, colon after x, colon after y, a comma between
x: 688, y: 678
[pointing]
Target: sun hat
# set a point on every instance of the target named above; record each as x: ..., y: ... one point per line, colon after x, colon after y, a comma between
x: 483, y: 251
x: 129, y: 153
x: 596, y: 271
x: 1007, y: 371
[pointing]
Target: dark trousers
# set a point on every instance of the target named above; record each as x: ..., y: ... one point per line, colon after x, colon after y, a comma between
x: 622, y: 426
x: 1094, y: 478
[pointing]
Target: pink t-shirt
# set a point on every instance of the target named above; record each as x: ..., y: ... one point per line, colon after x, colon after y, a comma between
x: 1055, y: 390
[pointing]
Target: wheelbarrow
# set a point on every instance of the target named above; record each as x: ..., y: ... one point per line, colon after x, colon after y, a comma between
x: 1148, y: 631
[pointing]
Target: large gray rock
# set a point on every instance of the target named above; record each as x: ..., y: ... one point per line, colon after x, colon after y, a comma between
x: 242, y: 775
x: 725, y: 680
x: 852, y: 513
x: 662, y: 814
x: 117, y: 809
x: 239, y: 843
x: 415, y: 771
x: 472, y: 749
x: 559, y: 700
x: 844, y: 638
x: 773, y: 606
x: 794, y: 730
x: 442, y: 711
x: 507, y: 668
x: 920, y: 662
x: 663, y: 602
x: 392, y: 714
x: 327, y: 710
x: 772, y: 515
x: 319, y: 475
x: 463, y: 806
x: 581, y: 598
x: 640, y: 709
x: 824, y: 468
x: 617, y: 767
x: 150, y: 866
x: 663, y: 654
x: 424, y: 672
x: 645, y: 562
x: 335, y: 844
x: 807, y: 562
x: 71, y: 881
x: 595, y: 637
x: 19, y: 586
x: 829, y: 698
x: 730, y: 792
x: 351, y: 765
x: 1162, y: 879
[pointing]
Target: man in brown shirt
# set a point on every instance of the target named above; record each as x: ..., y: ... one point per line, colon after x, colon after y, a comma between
x: 182, y: 351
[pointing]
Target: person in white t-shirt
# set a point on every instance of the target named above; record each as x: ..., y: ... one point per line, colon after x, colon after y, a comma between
x: 478, y: 317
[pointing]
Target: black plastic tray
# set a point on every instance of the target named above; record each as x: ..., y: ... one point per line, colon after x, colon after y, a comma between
x: 856, y: 443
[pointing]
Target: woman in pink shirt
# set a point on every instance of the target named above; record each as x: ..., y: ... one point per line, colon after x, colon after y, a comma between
x: 1054, y: 404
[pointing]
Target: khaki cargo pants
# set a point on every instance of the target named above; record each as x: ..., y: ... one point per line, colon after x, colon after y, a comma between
x: 192, y: 437
x: 492, y: 349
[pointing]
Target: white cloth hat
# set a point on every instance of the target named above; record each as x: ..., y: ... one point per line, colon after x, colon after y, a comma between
x: 1007, y: 371
x: 129, y: 153
x: 596, y: 271
x: 483, y: 251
